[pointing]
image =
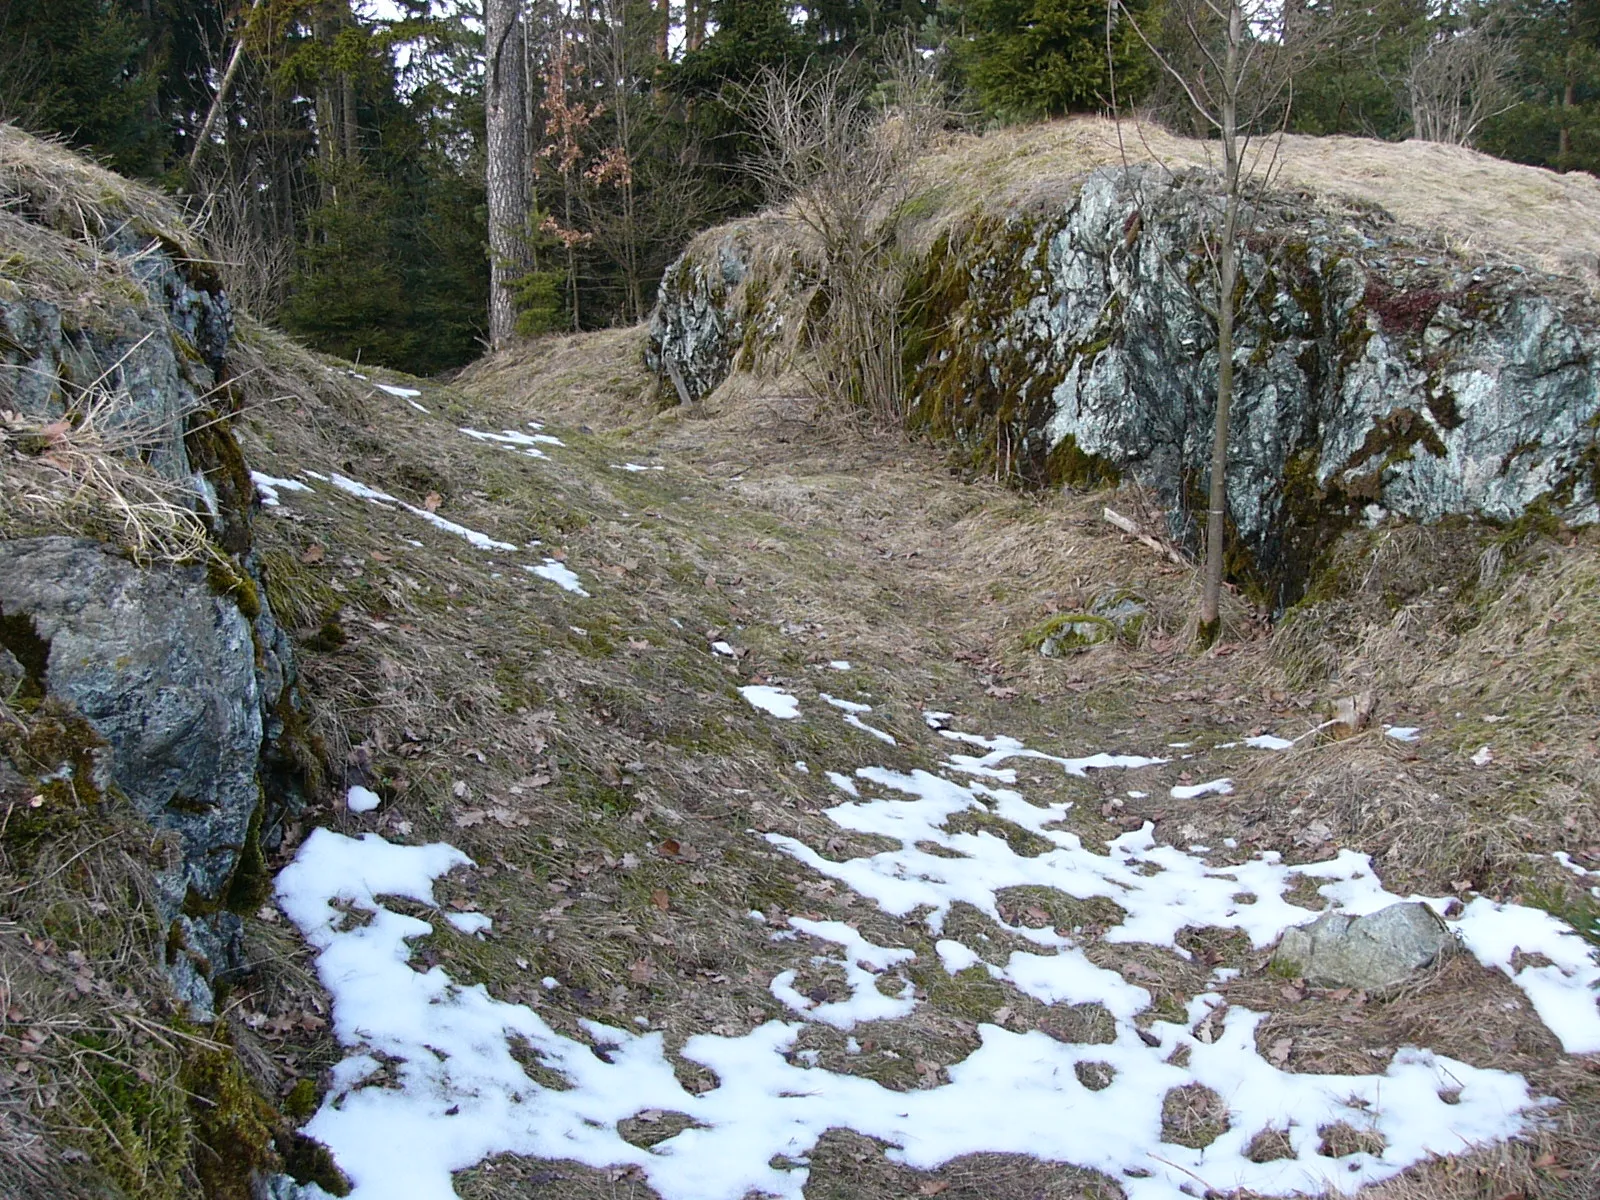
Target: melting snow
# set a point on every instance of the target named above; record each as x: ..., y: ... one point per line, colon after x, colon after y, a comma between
x: 1268, y: 741
x: 635, y: 467
x: 559, y: 574
x: 772, y: 700
x: 863, y: 962
x: 1403, y: 733
x: 268, y: 487
x: 480, y: 540
x: 403, y: 392
x: 1214, y: 787
x: 849, y: 706
x: 724, y: 649
x: 454, y: 1093
x: 359, y: 799
x: 838, y: 664
x: 513, y: 439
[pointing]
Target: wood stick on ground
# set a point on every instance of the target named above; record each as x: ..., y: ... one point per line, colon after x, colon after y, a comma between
x: 1131, y: 528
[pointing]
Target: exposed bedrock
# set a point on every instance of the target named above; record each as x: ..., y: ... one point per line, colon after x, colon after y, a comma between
x: 1376, y: 373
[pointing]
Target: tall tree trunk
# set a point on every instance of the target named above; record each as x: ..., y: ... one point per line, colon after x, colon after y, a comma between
x: 694, y: 20
x: 664, y: 30
x: 506, y: 173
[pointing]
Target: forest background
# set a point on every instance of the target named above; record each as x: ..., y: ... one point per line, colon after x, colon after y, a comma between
x: 340, y: 177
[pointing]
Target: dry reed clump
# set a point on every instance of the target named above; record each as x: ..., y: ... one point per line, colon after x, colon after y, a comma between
x: 85, y: 472
x: 84, y: 201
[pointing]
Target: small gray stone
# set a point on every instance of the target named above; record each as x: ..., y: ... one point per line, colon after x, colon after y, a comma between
x: 1375, y: 953
x: 1075, y: 632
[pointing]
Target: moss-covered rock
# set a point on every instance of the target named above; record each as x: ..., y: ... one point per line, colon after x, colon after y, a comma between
x: 1074, y: 346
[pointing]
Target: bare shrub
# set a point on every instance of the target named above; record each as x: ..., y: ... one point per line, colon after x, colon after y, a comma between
x: 1458, y: 82
x: 840, y: 166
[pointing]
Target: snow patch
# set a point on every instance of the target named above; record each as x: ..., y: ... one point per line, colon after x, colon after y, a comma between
x: 360, y: 800
x: 559, y: 574
x: 268, y: 487
x: 774, y: 701
x: 1214, y: 787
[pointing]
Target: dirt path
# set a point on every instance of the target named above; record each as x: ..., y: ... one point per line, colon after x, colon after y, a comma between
x: 671, y: 878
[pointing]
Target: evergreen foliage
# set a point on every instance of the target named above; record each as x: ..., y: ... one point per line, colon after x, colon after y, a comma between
x: 1046, y: 58
x: 342, y: 180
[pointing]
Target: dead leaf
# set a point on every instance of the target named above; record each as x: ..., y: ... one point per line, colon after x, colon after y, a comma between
x: 1000, y: 693
x: 432, y: 501
x: 641, y: 971
x: 660, y: 899
x: 1278, y: 1053
x: 313, y: 554
x: 932, y: 1187
x: 459, y: 789
x: 468, y: 817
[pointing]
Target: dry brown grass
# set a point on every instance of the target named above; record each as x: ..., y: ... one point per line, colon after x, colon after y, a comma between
x: 77, y: 198
x: 1480, y: 206
x: 583, y: 732
x: 87, y: 473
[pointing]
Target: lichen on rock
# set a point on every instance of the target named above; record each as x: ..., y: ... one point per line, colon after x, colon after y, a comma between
x: 1376, y: 373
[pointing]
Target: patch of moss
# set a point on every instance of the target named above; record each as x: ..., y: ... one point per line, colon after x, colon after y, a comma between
x: 1066, y: 633
x: 60, y: 750
x: 328, y: 638
x: 231, y: 1124
x: 251, y: 882
x: 216, y: 455
x: 307, y: 1160
x: 226, y: 578
x: 133, y: 1125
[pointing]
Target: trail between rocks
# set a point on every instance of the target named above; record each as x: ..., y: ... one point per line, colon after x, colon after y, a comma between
x: 432, y: 1083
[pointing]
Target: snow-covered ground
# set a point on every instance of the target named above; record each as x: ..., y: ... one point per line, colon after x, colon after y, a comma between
x: 453, y: 1093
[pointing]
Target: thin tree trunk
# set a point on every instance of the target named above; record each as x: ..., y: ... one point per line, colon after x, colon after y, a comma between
x: 694, y: 19
x: 1217, y: 509
x: 352, y: 129
x: 223, y: 87
x: 664, y: 33
x: 506, y: 174
x: 1569, y: 100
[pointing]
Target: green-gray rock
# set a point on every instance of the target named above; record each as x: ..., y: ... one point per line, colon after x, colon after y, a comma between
x: 1375, y: 953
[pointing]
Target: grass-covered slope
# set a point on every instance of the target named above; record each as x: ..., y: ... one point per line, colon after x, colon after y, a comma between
x: 593, y: 756
x: 627, y: 810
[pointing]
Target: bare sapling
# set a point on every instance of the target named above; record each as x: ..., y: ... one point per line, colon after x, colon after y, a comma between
x: 838, y: 166
x: 1233, y: 62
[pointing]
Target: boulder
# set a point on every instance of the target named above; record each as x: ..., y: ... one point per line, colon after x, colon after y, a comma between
x: 1375, y: 952
x: 184, y: 687
x: 1113, y: 615
x: 1375, y: 374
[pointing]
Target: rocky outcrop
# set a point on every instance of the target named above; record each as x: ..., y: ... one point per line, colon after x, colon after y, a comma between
x: 181, y: 682
x: 1376, y: 374
x: 693, y: 340
x: 157, y: 343
x: 112, y: 324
